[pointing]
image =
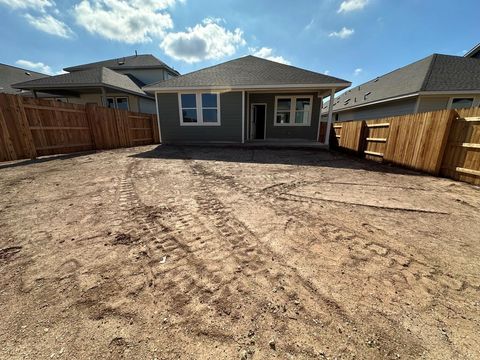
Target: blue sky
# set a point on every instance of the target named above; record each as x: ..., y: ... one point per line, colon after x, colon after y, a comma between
x: 352, y: 39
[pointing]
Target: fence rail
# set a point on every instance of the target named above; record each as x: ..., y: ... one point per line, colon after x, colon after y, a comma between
x: 33, y: 127
x: 445, y: 142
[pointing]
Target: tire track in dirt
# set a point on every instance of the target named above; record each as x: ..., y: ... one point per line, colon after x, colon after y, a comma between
x: 276, y: 196
x: 337, y: 315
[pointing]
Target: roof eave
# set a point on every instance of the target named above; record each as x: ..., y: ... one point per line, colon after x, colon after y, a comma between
x: 25, y: 86
x: 336, y: 86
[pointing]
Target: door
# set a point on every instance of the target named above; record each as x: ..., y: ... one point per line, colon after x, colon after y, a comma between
x: 259, y: 114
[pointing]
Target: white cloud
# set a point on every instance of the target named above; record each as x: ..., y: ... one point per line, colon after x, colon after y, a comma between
x: 35, y: 66
x: 327, y: 72
x: 267, y: 53
x: 39, y: 5
x: 343, y: 33
x: 129, y: 21
x: 205, y: 41
x: 309, y: 26
x: 50, y: 25
x: 358, y: 71
x: 352, y: 5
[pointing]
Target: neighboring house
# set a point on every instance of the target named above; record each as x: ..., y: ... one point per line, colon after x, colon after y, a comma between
x: 474, y: 53
x: 115, y: 83
x: 242, y: 100
x: 434, y: 83
x: 11, y: 74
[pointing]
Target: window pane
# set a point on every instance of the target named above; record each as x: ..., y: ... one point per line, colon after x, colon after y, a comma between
x: 301, y: 117
x: 303, y: 104
x: 210, y: 115
x: 189, y: 101
x: 209, y: 100
x: 110, y: 103
x: 189, y: 115
x: 462, y: 103
x: 283, y: 104
x: 122, y: 103
x: 283, y: 118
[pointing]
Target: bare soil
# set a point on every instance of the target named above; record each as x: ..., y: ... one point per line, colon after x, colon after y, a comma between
x: 224, y: 253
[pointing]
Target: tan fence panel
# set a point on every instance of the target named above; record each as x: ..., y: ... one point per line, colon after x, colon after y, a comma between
x: 57, y: 127
x: 376, y: 135
x: 33, y: 127
x: 349, y: 135
x: 462, y: 155
x: 418, y: 141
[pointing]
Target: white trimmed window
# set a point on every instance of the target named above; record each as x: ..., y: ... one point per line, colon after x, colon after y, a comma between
x: 293, y: 110
x: 199, y: 108
x: 118, y: 103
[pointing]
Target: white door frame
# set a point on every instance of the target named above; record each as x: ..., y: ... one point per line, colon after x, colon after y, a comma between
x: 252, y: 124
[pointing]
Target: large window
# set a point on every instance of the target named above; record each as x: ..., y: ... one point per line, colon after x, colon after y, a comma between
x: 118, y: 103
x: 199, y: 109
x: 293, y: 110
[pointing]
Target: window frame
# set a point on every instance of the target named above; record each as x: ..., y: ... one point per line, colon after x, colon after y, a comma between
x: 452, y: 98
x: 293, y: 103
x: 115, y: 103
x: 199, y: 108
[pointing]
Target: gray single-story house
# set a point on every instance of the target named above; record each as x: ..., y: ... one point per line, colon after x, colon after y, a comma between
x: 243, y: 100
x: 436, y: 82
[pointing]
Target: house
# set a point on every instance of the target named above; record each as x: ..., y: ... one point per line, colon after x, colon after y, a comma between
x: 115, y: 83
x: 246, y: 99
x: 434, y: 83
x: 11, y: 74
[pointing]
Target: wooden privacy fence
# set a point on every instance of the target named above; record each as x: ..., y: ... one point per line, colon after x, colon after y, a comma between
x: 33, y: 127
x: 445, y: 142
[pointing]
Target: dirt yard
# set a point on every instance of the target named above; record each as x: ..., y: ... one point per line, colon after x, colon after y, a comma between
x: 194, y: 253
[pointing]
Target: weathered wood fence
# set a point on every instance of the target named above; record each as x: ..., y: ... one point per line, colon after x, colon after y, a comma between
x: 445, y: 142
x: 33, y: 127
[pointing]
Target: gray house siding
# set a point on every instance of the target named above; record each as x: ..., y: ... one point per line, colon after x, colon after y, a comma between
x: 288, y: 132
x: 229, y: 131
x: 432, y: 103
x: 376, y: 111
x: 146, y: 106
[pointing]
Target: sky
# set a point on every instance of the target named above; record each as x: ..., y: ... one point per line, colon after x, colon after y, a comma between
x: 355, y: 40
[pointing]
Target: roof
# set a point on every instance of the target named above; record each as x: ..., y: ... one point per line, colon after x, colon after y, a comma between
x: 474, y: 52
x: 435, y: 73
x: 95, y: 77
x: 143, y: 61
x: 248, y: 72
x: 11, y: 74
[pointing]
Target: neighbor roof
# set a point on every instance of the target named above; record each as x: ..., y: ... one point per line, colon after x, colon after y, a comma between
x: 248, y: 72
x: 11, y: 74
x: 96, y: 77
x: 128, y: 62
x: 434, y: 73
x: 474, y: 52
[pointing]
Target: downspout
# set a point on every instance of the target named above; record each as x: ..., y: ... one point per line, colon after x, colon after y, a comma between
x: 158, y: 118
x: 104, y: 97
x: 243, y: 116
x: 330, y: 116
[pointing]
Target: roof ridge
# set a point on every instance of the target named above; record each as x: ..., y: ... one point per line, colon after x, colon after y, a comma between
x: 195, y: 71
x: 429, y: 72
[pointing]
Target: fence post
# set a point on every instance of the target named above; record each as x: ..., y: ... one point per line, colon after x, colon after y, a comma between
x: 90, y: 115
x: 452, y: 115
x: 24, y: 127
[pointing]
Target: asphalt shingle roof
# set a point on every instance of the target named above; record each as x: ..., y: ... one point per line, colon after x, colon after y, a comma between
x: 248, y: 71
x: 10, y: 75
x: 94, y: 77
x: 434, y: 73
x: 128, y: 62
